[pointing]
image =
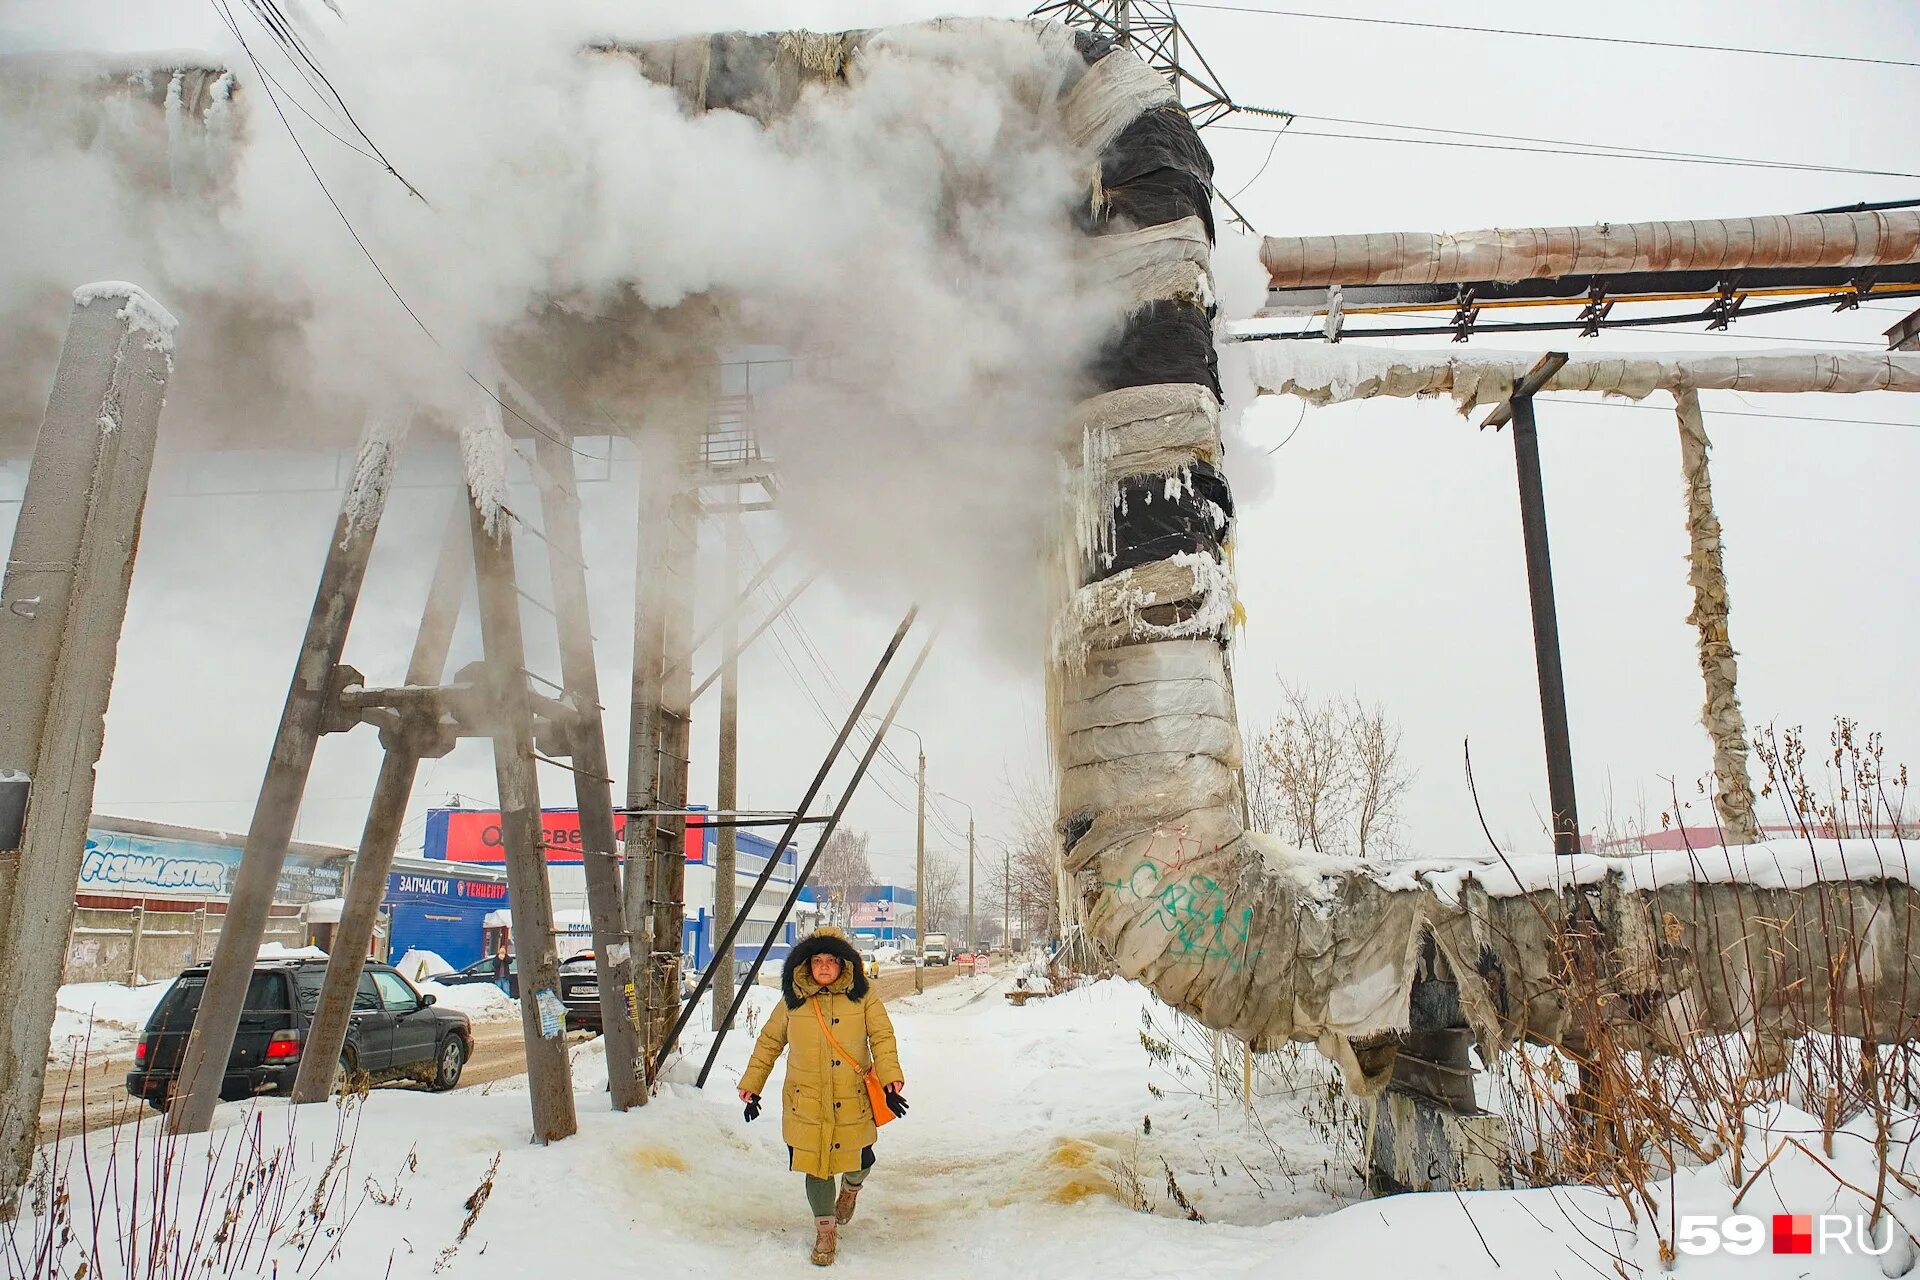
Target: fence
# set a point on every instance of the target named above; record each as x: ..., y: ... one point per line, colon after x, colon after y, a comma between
x: 114, y: 944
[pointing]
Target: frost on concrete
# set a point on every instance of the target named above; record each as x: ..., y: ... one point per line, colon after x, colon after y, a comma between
x: 372, y: 475
x: 138, y: 309
x: 483, y: 459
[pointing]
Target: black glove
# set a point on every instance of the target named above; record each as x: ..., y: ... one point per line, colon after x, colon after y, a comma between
x: 753, y: 1109
x: 895, y: 1103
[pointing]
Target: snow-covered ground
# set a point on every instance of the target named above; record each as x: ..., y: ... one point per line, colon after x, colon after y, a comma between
x: 100, y: 1019
x: 1031, y: 1129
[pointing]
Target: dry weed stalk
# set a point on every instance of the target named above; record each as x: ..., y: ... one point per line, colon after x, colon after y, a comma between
x: 1618, y: 1108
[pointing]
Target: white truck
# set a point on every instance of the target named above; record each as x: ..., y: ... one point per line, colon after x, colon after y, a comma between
x: 937, y: 951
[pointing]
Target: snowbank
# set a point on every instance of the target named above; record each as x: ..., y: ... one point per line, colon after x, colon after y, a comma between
x: 481, y: 1001
x: 281, y: 951
x: 422, y: 966
x: 95, y: 1020
x: 1032, y: 1130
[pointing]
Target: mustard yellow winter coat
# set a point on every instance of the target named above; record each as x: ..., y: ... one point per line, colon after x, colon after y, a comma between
x: 826, y: 1117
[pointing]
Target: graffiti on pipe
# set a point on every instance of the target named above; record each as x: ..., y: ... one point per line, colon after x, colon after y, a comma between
x: 1190, y: 905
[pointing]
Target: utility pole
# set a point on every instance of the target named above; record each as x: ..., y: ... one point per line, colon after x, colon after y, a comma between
x: 727, y: 775
x: 920, y: 877
x: 1006, y: 900
x: 969, y: 881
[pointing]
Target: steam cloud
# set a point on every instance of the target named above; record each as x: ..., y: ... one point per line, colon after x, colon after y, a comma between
x: 910, y: 233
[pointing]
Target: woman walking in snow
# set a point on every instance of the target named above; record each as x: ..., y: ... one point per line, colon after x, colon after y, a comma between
x: 838, y: 1034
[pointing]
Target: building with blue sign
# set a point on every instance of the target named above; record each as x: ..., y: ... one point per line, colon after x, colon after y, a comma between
x: 446, y: 897
x: 434, y: 906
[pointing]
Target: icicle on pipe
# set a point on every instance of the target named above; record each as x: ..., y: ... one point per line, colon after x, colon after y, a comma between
x: 1274, y: 943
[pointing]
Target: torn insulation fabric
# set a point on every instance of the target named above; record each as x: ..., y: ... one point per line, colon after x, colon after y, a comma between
x: 1272, y: 943
x: 1321, y: 373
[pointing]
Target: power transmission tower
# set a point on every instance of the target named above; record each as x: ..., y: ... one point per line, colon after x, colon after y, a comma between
x: 1152, y: 32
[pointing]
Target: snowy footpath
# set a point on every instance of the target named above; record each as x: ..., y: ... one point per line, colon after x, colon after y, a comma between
x: 1043, y: 1141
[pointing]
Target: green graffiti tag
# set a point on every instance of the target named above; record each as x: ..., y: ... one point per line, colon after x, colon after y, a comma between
x: 1194, y: 909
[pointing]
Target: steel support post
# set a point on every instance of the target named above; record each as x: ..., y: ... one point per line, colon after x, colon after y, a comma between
x: 1546, y: 628
x: 204, y: 1067
x: 592, y: 788
x: 549, y: 1080
x: 794, y: 822
x: 380, y: 836
x: 726, y: 787
x: 62, y: 602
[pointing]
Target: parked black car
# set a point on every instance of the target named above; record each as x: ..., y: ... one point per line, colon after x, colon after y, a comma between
x: 395, y: 1033
x: 481, y: 970
x: 580, y: 992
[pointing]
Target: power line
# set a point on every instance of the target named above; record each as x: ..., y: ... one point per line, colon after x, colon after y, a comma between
x: 1729, y: 162
x: 791, y: 621
x: 1554, y: 35
x: 233, y: 26
x: 1739, y: 413
x: 1606, y: 147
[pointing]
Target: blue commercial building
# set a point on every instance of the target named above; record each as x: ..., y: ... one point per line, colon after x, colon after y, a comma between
x: 442, y: 908
x: 443, y: 902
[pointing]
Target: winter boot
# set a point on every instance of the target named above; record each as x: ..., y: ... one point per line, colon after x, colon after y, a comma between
x: 843, y: 1207
x: 826, y: 1238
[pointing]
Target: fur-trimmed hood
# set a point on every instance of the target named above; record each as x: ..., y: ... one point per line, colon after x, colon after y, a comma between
x: 797, y: 984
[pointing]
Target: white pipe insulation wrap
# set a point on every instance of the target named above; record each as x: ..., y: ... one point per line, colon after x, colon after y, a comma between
x: 1322, y: 374
x: 1533, y: 253
x: 1273, y: 943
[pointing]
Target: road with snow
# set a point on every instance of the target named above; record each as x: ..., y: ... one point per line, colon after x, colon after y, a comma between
x: 86, y: 1079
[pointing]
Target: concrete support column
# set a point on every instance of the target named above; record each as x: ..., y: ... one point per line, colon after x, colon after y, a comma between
x: 367, y: 886
x: 726, y: 784
x: 592, y: 787
x: 660, y: 716
x: 62, y: 602
x: 302, y: 721
x: 549, y: 1080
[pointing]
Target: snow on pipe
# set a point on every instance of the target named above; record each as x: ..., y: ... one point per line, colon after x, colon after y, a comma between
x: 1324, y: 374
x: 1532, y: 253
x: 1273, y: 943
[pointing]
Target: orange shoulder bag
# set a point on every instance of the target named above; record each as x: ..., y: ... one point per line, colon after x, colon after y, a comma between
x: 876, y: 1096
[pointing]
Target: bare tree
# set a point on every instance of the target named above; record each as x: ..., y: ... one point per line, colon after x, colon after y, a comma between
x: 945, y: 910
x: 1380, y: 776
x: 843, y: 865
x: 1308, y: 771
x: 1328, y: 775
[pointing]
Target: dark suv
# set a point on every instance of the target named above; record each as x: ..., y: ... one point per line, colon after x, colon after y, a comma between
x: 395, y: 1032
x: 580, y: 991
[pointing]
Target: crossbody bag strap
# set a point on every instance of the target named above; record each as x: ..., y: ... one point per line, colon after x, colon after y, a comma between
x: 815, y: 1002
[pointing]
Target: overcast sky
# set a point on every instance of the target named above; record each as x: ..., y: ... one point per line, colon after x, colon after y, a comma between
x: 1378, y: 544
